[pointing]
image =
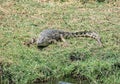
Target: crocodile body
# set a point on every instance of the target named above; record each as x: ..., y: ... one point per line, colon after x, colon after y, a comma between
x: 49, y: 36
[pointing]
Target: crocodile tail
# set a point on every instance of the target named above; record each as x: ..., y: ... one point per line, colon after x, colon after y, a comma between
x: 90, y: 34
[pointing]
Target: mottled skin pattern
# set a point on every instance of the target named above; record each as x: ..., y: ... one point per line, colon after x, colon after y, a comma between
x: 49, y: 36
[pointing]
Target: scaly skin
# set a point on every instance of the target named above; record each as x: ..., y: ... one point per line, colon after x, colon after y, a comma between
x: 49, y: 36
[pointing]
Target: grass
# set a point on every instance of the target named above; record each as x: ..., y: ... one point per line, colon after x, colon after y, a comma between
x: 20, y: 21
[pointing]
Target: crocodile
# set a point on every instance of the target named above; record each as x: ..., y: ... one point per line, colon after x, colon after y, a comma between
x: 49, y: 36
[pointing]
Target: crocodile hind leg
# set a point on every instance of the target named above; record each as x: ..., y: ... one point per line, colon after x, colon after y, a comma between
x: 65, y: 44
x: 99, y: 42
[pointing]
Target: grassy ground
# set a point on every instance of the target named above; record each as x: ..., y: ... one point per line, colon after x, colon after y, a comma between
x: 22, y: 20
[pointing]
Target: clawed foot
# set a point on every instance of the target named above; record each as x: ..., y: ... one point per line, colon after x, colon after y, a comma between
x: 65, y: 44
x: 29, y: 42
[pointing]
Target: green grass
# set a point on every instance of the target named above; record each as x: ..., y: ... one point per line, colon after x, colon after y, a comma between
x: 20, y: 21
